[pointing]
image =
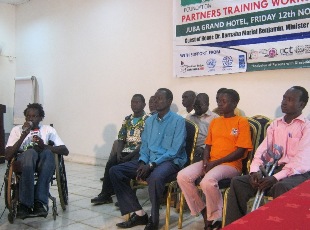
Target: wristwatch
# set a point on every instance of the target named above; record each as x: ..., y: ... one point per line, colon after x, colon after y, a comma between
x: 152, y: 165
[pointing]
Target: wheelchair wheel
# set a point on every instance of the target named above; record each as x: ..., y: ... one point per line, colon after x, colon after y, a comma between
x: 11, y: 191
x: 61, y: 181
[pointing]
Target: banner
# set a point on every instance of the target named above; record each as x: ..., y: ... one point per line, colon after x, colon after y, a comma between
x: 225, y: 36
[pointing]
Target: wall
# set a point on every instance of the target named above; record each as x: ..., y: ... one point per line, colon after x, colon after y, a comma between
x: 90, y: 57
x: 7, y: 65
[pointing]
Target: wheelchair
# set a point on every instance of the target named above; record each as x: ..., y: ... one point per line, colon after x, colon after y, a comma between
x: 11, y: 182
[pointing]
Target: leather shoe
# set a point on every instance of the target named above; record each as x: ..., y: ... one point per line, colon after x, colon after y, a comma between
x: 39, y: 209
x: 102, y: 199
x: 22, y: 211
x: 134, y: 220
x: 101, y: 178
x: 150, y: 225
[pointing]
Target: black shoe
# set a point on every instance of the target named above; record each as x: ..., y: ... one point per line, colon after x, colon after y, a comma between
x: 150, y: 225
x: 102, y: 199
x: 101, y: 178
x: 116, y: 204
x: 134, y: 220
x: 39, y: 209
x: 22, y: 211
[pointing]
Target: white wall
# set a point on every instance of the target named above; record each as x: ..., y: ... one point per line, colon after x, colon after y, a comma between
x: 7, y: 66
x: 90, y: 57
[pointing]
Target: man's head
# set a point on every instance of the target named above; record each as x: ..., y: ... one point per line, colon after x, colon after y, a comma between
x: 163, y: 99
x: 219, y: 92
x: 228, y: 101
x: 294, y: 101
x: 201, y: 104
x: 34, y: 113
x: 137, y: 104
x: 152, y: 107
x: 188, y: 98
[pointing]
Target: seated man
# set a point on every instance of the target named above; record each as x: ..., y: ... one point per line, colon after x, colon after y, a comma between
x: 152, y: 107
x: 202, y: 117
x: 29, y: 142
x: 227, y: 143
x: 292, y: 133
x: 188, y: 99
x: 126, y: 148
x: 162, y: 155
x: 217, y: 110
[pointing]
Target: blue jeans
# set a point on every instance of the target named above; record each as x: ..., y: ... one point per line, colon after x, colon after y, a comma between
x: 128, y: 202
x: 44, y: 164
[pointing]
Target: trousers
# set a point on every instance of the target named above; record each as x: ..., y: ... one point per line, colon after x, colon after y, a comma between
x: 209, y: 184
x: 241, y: 191
x: 44, y: 164
x: 121, y: 175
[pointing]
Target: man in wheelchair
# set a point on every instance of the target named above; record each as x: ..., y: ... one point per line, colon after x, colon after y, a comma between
x: 28, y: 144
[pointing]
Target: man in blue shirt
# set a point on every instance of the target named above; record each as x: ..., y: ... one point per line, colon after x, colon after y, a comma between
x: 162, y: 155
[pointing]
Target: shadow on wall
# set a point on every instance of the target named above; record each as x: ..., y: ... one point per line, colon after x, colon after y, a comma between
x: 109, y: 135
x: 174, y: 108
x: 279, y: 112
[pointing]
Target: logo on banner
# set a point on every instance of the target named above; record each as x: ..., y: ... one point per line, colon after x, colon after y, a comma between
x: 187, y: 68
x: 286, y: 51
x: 253, y: 54
x: 227, y: 61
x: 271, y: 53
x: 211, y: 63
x: 241, y: 61
x: 307, y: 49
x: 299, y: 49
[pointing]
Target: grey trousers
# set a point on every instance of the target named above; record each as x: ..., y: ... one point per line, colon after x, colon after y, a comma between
x: 241, y: 191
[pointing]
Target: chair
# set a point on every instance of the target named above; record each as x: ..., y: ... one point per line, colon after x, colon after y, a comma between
x: 225, y: 183
x: 191, y: 138
x: 263, y: 120
x: 11, y: 181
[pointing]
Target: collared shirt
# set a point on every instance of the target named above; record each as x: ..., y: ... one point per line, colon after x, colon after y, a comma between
x: 294, y: 138
x: 203, y: 123
x: 131, y: 131
x: 184, y: 113
x: 164, y: 140
x: 46, y: 133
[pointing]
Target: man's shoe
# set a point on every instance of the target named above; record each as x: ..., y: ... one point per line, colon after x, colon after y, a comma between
x: 102, y: 199
x: 39, y: 209
x: 116, y: 204
x: 22, y: 211
x: 150, y: 225
x: 101, y: 178
x: 134, y: 220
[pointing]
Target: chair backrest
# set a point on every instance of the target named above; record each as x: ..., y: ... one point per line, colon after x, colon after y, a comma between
x: 256, y: 130
x: 191, y: 139
x: 263, y: 120
x: 266, y: 127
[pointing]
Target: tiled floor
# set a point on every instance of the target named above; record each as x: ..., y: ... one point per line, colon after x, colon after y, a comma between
x: 84, y: 184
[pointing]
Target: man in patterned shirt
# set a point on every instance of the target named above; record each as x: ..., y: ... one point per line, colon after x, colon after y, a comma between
x: 125, y: 148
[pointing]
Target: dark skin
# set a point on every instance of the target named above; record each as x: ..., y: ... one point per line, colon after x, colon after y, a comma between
x: 188, y: 99
x: 201, y: 105
x: 152, y: 107
x: 33, y: 116
x: 292, y: 106
x: 227, y: 105
x: 162, y: 104
x: 137, y: 107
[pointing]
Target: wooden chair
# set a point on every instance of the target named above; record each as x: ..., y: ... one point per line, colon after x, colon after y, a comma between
x: 225, y: 183
x: 191, y: 139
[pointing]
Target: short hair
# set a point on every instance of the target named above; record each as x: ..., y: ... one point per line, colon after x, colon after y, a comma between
x: 191, y: 93
x: 35, y: 106
x: 141, y: 97
x: 221, y: 90
x: 204, y: 97
x: 304, y: 94
x: 233, y: 94
x: 168, y: 92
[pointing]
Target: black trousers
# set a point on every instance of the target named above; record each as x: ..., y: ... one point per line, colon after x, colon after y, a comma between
x: 241, y: 191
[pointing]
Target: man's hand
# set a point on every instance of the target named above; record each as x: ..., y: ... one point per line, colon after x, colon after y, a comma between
x: 267, y: 182
x: 143, y: 171
x: 255, y: 178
